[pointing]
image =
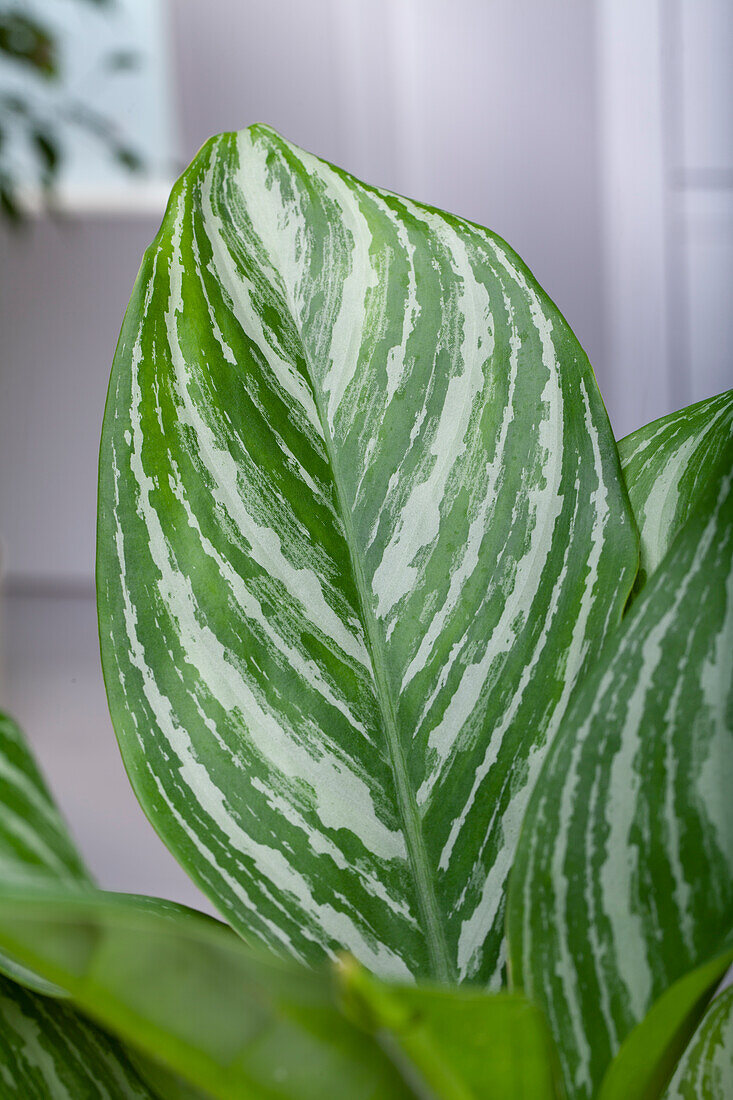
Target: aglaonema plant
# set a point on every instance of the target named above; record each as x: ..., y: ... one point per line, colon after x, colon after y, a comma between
x: 423, y: 678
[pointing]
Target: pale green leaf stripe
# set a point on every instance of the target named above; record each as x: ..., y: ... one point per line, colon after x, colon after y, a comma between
x: 666, y: 466
x: 624, y: 872
x: 48, y: 1052
x: 361, y: 526
x: 237, y: 1022
x: 706, y: 1070
x: 34, y: 841
x: 650, y: 1053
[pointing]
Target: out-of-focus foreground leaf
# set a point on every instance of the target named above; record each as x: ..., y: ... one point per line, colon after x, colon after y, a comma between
x: 242, y: 1023
x: 461, y: 1043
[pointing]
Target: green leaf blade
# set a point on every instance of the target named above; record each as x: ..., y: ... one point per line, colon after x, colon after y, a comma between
x: 666, y: 466
x: 649, y: 1055
x: 184, y: 991
x: 458, y: 1044
x: 34, y: 840
x: 624, y: 873
x: 347, y: 439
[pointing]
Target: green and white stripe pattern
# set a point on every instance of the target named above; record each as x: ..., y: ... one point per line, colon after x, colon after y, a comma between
x: 35, y: 845
x: 34, y: 840
x: 49, y: 1051
x: 705, y: 1072
x: 361, y: 528
x: 666, y: 466
x: 624, y: 873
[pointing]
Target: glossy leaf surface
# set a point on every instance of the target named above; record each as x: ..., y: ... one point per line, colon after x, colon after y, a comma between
x: 667, y: 465
x: 624, y: 871
x: 361, y: 527
x: 705, y: 1071
x: 650, y: 1054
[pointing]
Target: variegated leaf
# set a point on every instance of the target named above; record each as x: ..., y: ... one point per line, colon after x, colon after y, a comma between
x: 49, y: 1052
x: 705, y: 1071
x: 624, y: 873
x: 666, y: 466
x: 34, y: 842
x: 361, y: 528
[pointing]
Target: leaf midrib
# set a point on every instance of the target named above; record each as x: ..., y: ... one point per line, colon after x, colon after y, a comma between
x: 442, y: 968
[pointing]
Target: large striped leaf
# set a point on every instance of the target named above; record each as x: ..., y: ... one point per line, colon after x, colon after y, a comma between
x: 34, y: 842
x: 667, y: 465
x: 361, y: 527
x: 49, y: 1052
x: 624, y: 872
x: 705, y: 1071
x: 242, y: 1023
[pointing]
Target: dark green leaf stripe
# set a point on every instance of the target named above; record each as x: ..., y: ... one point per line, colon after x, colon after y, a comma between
x: 666, y: 466
x: 624, y: 872
x: 361, y: 527
x: 705, y: 1071
x: 49, y: 1052
x: 34, y: 841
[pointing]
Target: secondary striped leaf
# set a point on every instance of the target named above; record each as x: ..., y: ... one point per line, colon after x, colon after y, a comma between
x: 48, y: 1051
x: 624, y: 872
x: 361, y: 528
x: 667, y: 465
x: 705, y: 1071
x: 649, y: 1055
x: 36, y: 850
x: 34, y: 842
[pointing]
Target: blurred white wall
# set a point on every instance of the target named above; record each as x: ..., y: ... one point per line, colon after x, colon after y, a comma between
x: 665, y: 125
x: 544, y: 121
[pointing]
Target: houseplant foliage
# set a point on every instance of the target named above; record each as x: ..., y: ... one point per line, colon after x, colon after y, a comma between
x: 387, y: 614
